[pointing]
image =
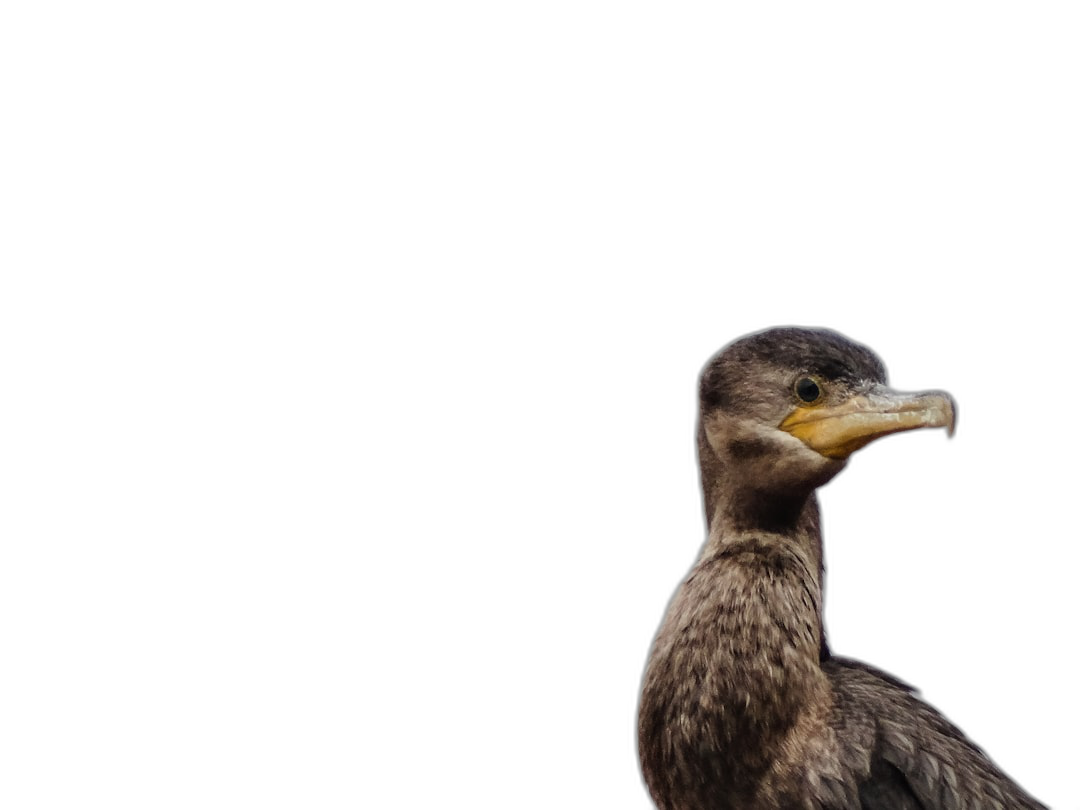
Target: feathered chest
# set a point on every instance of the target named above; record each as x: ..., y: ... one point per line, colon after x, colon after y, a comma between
x: 735, y: 664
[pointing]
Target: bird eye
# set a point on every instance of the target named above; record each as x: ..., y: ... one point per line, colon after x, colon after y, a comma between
x: 808, y: 390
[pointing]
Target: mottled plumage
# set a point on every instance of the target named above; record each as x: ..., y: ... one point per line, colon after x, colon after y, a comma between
x: 742, y: 704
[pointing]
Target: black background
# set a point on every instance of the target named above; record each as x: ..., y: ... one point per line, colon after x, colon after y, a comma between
x: 947, y: 559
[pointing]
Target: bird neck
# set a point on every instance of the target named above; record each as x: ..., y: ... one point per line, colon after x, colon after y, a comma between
x: 791, y: 521
x: 738, y: 507
x: 735, y: 509
x: 736, y: 664
x: 778, y: 524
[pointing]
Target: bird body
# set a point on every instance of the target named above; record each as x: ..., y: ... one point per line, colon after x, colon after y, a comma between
x: 743, y: 706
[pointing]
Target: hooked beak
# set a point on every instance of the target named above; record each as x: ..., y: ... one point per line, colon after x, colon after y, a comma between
x: 838, y: 431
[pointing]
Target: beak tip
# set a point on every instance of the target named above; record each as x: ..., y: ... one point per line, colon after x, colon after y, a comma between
x: 950, y: 428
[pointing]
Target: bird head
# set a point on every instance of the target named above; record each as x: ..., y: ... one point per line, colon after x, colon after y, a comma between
x: 782, y: 410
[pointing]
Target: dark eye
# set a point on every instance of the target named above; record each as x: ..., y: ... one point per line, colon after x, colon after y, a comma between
x: 807, y: 390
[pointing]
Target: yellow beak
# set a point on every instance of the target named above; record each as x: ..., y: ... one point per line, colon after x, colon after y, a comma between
x: 838, y: 431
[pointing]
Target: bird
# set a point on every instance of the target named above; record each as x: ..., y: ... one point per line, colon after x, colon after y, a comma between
x: 743, y: 706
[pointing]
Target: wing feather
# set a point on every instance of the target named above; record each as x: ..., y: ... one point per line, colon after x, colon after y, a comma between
x: 918, y: 760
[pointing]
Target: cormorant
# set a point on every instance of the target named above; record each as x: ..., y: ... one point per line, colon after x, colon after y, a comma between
x: 742, y: 704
